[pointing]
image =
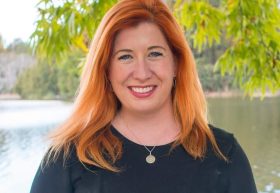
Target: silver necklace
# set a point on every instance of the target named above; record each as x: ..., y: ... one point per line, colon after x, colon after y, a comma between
x: 150, y: 159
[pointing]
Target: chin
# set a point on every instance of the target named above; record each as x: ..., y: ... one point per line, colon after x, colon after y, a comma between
x: 144, y: 109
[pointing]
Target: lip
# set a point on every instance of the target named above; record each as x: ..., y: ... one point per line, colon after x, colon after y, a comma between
x: 142, y: 95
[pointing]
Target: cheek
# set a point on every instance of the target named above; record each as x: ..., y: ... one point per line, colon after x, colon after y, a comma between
x: 113, y: 71
x: 112, y: 74
x: 166, y: 69
x: 117, y: 74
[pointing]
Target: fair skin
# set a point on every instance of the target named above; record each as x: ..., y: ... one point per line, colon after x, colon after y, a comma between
x: 141, y: 72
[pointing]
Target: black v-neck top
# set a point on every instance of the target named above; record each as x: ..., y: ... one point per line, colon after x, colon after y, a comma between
x: 177, y: 172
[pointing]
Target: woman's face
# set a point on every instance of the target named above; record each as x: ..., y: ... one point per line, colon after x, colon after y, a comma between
x: 142, y: 69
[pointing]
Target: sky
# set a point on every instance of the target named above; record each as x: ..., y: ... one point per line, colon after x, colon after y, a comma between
x: 17, y: 19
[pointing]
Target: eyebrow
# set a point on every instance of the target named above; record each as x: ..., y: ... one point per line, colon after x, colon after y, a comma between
x: 153, y: 47
x: 129, y: 50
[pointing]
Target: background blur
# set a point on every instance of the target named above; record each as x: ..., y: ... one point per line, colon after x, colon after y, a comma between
x: 43, y: 45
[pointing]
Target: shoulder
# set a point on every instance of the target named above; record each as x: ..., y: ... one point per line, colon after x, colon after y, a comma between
x: 57, y: 172
x: 60, y: 158
x: 227, y: 144
x: 237, y: 173
x: 225, y: 140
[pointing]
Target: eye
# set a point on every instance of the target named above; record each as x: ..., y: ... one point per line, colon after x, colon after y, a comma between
x: 125, y: 57
x: 155, y: 54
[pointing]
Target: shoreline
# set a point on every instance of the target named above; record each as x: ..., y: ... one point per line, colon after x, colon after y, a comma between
x: 215, y: 94
x: 228, y: 94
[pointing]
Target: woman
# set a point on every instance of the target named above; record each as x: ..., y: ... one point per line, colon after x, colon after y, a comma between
x: 139, y: 123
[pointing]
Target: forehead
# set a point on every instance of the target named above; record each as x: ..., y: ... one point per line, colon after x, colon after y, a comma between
x: 143, y: 34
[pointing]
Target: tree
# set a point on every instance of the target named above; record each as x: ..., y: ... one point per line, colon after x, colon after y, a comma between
x: 2, y: 49
x: 253, y: 30
x: 250, y: 28
x: 48, y: 81
x: 39, y: 81
x: 66, y: 24
x: 18, y: 46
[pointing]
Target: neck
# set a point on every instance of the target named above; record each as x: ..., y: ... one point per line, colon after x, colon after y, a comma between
x: 151, y: 128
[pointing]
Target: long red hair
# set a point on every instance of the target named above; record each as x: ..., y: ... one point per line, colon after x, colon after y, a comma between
x: 88, y: 128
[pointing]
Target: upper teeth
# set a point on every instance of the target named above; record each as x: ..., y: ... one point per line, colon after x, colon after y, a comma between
x: 142, y: 90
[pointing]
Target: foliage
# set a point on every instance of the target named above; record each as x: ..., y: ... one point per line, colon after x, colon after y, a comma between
x: 46, y: 81
x: 18, y: 46
x: 249, y: 28
x: 13, y: 59
x: 202, y: 22
x: 68, y: 75
x: 38, y: 82
x: 212, y: 81
x: 253, y: 30
x: 65, y: 24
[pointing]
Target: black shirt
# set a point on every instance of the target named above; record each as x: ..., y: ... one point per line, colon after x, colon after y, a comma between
x: 176, y: 172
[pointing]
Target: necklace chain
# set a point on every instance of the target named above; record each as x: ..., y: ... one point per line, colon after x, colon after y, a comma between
x: 150, y: 158
x: 149, y: 149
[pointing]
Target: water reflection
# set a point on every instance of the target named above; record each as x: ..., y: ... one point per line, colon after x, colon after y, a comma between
x: 23, y: 133
x: 23, y: 140
x: 256, y: 124
x: 3, y: 152
x: 20, y: 157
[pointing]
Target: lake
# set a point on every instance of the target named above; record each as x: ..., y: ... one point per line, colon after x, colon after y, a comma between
x: 256, y: 125
x: 24, y: 126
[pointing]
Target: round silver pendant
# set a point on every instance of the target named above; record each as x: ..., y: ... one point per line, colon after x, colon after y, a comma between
x: 150, y: 159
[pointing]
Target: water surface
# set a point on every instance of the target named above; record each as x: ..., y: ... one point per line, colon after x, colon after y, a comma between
x: 24, y: 126
x: 256, y: 125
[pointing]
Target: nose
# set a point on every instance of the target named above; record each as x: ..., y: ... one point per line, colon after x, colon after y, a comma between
x: 142, y: 70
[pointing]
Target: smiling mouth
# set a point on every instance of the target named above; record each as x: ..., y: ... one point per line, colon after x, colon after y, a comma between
x: 142, y: 91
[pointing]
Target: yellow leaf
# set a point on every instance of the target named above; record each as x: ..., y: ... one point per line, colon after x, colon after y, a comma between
x: 79, y: 41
